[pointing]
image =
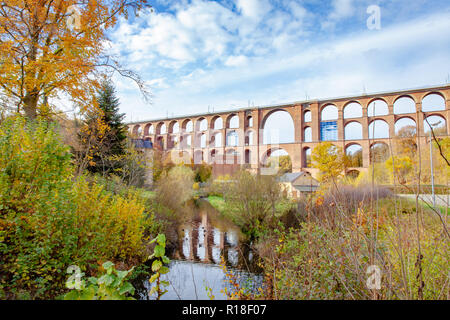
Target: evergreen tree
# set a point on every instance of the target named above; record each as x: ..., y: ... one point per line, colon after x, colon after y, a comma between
x: 105, y: 132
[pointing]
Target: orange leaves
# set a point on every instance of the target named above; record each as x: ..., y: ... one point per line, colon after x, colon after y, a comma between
x: 42, y: 56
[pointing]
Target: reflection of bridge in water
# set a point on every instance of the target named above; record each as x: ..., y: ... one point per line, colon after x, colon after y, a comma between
x: 204, y: 241
x: 358, y: 124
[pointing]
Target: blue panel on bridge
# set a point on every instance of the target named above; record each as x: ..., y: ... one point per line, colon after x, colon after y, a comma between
x: 143, y: 144
x: 328, y: 131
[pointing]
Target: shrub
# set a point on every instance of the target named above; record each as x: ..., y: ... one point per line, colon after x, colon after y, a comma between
x: 48, y: 221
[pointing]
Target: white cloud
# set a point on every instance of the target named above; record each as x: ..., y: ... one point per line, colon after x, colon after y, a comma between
x: 254, y: 9
x: 236, y: 61
x: 341, y: 9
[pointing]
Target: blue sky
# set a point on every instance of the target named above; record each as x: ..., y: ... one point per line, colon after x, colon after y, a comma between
x: 228, y: 54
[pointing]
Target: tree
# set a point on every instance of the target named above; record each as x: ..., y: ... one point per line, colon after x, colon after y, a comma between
x: 399, y: 168
x: 105, y: 129
x: 54, y: 47
x: 330, y: 160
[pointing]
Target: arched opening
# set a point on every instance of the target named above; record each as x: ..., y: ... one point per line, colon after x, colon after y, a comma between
x: 232, y: 139
x: 161, y: 128
x: 278, y: 127
x: 250, y: 121
x: 307, y: 134
x: 306, y: 157
x: 248, y: 156
x: 377, y: 107
x: 198, y: 157
x: 307, y: 116
x: 202, y: 140
x: 405, y: 124
x: 352, y: 110
x: 354, y: 155
x: 232, y: 121
x: 137, y: 130
x: 404, y: 105
x: 328, y: 124
x: 353, y: 174
x: 216, y: 140
x: 232, y: 157
x: 249, y: 136
x: 172, y: 142
x: 174, y: 127
x: 186, y: 141
x: 379, y: 152
x: 148, y: 129
x: 202, y: 124
x: 187, y: 126
x: 378, y: 129
x: 433, y: 102
x: 215, y: 157
x: 278, y: 158
x: 438, y: 124
x: 217, y: 123
x: 160, y: 142
x: 353, y: 131
x: 329, y: 113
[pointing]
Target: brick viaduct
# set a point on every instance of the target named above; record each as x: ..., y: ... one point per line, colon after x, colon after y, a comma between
x: 233, y: 138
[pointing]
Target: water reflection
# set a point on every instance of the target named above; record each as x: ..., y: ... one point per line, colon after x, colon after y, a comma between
x: 204, y: 238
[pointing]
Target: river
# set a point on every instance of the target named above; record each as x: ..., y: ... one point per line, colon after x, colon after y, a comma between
x: 196, y: 264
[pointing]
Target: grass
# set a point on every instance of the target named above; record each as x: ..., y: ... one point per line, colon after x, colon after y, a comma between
x: 148, y: 194
x: 218, y: 203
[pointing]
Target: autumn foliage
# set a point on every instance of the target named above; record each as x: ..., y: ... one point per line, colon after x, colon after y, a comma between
x: 52, y: 49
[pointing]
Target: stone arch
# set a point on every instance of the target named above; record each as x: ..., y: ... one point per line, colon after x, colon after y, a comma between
x: 377, y: 107
x: 379, y: 152
x: 329, y: 113
x: 354, y: 153
x: 201, y: 140
x: 160, y: 142
x: 198, y: 157
x: 278, y: 127
x: 201, y: 124
x: 216, y: 123
x: 172, y: 141
x: 378, y: 129
x: 404, y: 104
x: 232, y: 139
x: 307, y: 116
x: 187, y: 125
x: 231, y: 156
x: 353, y: 109
x: 248, y: 156
x: 215, y: 157
x: 274, y: 152
x: 216, y: 140
x: 249, y: 121
x: 353, y: 131
x: 306, y: 157
x: 307, y: 134
x: 433, y: 101
x: 174, y: 127
x: 186, y: 141
x: 249, y: 138
x: 403, y: 122
x: 149, y: 129
x: 161, y: 128
x: 438, y: 122
x: 232, y: 121
x: 137, y: 130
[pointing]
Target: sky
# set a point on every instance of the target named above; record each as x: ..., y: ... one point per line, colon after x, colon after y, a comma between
x: 198, y: 56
